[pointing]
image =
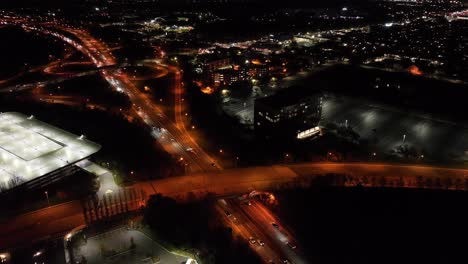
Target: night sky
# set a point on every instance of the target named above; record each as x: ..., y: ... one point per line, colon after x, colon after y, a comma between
x: 180, y: 3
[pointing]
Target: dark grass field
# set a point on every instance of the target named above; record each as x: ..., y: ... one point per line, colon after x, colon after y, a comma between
x: 357, y: 225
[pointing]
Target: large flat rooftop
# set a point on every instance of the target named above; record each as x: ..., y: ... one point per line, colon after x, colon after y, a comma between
x: 30, y: 149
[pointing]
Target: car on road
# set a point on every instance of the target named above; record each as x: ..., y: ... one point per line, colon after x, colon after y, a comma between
x: 252, y: 240
x: 227, y: 213
x: 275, y: 225
x: 260, y: 242
x: 292, y: 246
x: 191, y: 150
x: 285, y: 260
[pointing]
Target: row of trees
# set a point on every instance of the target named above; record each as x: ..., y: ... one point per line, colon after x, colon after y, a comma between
x: 421, y: 182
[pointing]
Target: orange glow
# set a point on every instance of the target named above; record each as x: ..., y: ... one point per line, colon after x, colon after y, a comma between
x: 256, y: 62
x: 207, y: 90
x: 414, y: 70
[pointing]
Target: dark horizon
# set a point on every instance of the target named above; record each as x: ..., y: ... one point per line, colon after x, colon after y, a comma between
x: 183, y: 3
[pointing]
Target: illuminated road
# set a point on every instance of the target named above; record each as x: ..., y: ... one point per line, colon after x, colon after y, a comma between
x: 174, y: 138
x: 247, y: 230
x: 177, y: 139
x: 40, y: 224
x: 280, y: 237
x: 250, y: 219
x: 64, y: 217
x: 48, y: 222
x: 43, y: 68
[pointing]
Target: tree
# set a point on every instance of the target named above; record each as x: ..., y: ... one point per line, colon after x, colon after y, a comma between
x: 458, y: 184
x: 448, y: 183
x: 419, y: 182
x: 383, y: 181
x: 14, y: 181
x: 428, y: 183
x: 401, y: 182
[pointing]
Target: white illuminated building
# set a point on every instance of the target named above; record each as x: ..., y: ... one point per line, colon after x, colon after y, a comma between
x: 32, y: 151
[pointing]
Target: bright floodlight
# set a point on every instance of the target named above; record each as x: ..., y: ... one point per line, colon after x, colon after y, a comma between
x: 30, y: 149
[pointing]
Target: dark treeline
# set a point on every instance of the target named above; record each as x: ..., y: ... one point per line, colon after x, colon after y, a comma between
x: 378, y: 225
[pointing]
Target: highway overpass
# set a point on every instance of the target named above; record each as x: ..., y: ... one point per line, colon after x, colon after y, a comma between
x: 61, y: 218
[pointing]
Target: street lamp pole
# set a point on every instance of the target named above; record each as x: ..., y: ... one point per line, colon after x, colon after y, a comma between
x: 47, y: 196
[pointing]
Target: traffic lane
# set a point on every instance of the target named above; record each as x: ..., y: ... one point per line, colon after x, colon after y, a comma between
x: 153, y: 116
x: 100, y: 56
x: 281, y: 235
x: 150, y: 110
x: 268, y: 218
x: 181, y: 125
x: 241, y: 231
x: 246, y: 229
x: 268, y: 252
x: 278, y: 237
x: 41, y: 223
x: 263, y: 234
x: 168, y: 140
x: 227, y: 182
x: 47, y: 222
x: 45, y: 215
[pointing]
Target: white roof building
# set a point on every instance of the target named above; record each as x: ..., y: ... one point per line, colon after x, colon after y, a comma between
x: 30, y: 149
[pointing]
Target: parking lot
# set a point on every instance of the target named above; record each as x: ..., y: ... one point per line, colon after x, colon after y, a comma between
x: 122, y: 246
x: 390, y: 128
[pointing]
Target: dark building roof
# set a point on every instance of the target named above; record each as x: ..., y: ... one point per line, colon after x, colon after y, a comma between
x: 287, y: 97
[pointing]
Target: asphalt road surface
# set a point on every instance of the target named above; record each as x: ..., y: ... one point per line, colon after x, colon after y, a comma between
x: 254, y: 220
x: 64, y: 217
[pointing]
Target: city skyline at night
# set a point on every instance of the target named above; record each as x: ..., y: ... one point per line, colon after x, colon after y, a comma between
x: 233, y: 131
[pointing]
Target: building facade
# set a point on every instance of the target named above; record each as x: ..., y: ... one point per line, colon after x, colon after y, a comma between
x: 290, y: 113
